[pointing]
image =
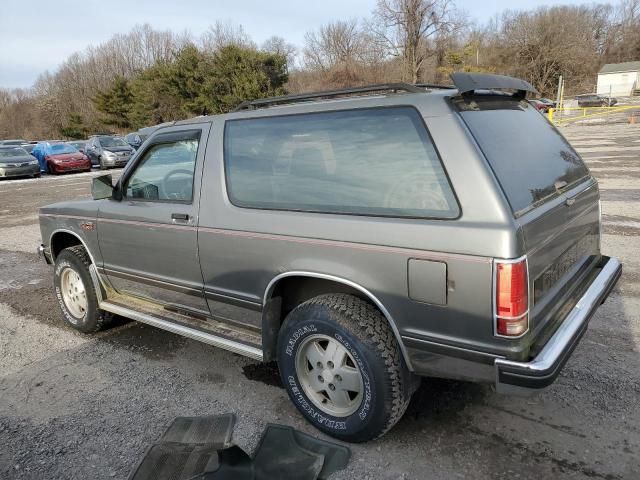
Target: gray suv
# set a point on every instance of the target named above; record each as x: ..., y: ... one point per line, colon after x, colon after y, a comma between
x: 361, y: 238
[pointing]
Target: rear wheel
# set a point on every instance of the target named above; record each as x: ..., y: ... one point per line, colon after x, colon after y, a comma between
x: 343, y: 368
x: 76, y: 292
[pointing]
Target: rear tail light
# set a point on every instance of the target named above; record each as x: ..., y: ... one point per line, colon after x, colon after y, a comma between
x: 511, y: 298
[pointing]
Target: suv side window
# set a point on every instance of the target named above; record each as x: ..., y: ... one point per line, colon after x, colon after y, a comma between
x: 165, y: 171
x: 374, y: 161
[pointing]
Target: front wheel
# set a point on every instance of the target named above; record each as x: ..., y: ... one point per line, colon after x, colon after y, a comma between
x: 342, y: 367
x: 76, y: 292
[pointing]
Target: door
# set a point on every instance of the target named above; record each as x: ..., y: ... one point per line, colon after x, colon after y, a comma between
x: 148, y: 239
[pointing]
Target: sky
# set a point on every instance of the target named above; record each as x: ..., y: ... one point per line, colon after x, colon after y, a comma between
x: 38, y: 35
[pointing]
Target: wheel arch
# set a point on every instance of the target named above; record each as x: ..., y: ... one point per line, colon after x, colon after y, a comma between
x: 62, y: 238
x: 273, y: 313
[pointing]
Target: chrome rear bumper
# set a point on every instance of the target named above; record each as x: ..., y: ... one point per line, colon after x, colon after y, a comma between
x: 526, y: 377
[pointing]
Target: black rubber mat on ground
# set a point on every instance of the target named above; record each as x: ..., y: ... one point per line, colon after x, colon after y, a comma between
x: 176, y: 461
x: 198, y: 448
x: 213, y: 430
x: 286, y: 453
x: 188, y: 448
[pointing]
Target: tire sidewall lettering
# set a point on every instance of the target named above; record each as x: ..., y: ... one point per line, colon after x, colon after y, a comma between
x: 297, y: 335
x: 296, y: 392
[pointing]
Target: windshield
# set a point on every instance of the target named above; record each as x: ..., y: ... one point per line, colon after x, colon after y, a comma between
x: 112, y: 142
x: 60, y: 148
x: 77, y: 145
x: 12, y: 152
x: 531, y: 160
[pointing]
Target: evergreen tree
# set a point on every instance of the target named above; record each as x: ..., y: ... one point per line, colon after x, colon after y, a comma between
x: 116, y: 103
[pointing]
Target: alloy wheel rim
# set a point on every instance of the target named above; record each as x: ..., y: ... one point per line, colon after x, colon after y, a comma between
x: 329, y: 376
x: 73, y: 292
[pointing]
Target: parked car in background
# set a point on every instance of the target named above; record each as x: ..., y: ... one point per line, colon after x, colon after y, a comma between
x: 540, y: 105
x: 547, y: 101
x: 108, y: 151
x: 60, y: 158
x: 445, y: 233
x: 13, y: 142
x: 80, y: 145
x: 29, y: 147
x: 15, y: 161
x: 135, y: 139
x: 593, y: 100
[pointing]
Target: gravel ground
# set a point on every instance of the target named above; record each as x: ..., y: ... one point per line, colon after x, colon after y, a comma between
x: 76, y: 406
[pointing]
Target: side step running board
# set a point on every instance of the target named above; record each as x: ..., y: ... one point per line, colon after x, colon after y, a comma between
x: 216, y: 341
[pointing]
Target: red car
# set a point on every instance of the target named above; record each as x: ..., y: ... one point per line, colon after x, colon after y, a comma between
x: 61, y: 158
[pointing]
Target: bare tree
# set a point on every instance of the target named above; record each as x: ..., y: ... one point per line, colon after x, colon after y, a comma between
x: 280, y: 46
x: 337, y: 43
x: 404, y: 28
x: 223, y: 34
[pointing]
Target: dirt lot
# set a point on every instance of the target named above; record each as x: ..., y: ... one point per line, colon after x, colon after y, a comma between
x: 75, y: 406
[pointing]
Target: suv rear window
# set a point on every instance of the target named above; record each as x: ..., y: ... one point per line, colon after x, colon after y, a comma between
x: 532, y: 161
x: 377, y: 161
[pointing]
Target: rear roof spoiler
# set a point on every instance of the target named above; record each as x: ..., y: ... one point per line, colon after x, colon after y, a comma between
x: 467, y: 83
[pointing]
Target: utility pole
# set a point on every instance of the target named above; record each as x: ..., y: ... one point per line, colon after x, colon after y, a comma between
x: 559, y: 95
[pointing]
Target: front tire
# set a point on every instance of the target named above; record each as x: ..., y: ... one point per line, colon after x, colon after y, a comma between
x: 342, y: 367
x: 76, y: 293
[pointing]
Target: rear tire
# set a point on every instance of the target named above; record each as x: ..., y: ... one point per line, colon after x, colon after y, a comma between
x: 76, y: 292
x: 357, y: 336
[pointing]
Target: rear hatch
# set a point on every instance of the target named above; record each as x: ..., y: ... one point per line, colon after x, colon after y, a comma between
x: 553, y: 197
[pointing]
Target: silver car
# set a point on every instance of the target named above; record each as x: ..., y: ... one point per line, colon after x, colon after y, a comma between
x: 16, y: 162
x: 362, y: 238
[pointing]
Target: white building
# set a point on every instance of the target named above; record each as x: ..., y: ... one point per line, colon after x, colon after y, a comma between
x: 619, y: 79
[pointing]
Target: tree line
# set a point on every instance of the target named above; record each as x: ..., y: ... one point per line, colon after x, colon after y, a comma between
x: 149, y: 76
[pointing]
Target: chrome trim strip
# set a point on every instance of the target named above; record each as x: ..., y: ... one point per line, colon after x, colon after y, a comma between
x: 59, y: 230
x: 557, y: 344
x: 231, y: 345
x: 371, y: 296
x: 154, y: 282
x: 228, y: 299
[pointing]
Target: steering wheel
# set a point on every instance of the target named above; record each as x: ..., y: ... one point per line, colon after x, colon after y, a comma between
x: 184, y: 193
x: 421, y: 191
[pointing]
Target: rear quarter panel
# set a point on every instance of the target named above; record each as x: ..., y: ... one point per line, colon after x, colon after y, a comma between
x: 243, y: 249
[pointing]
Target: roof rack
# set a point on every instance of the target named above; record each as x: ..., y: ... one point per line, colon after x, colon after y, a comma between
x: 266, y: 102
x: 435, y: 86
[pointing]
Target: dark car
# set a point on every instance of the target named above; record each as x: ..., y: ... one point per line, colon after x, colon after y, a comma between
x: 593, y: 100
x: 60, y: 158
x: 80, y: 145
x: 108, y: 151
x: 16, y: 162
x: 28, y: 147
x: 135, y: 139
x: 445, y: 233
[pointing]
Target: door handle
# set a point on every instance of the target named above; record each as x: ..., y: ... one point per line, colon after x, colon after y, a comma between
x: 180, y: 216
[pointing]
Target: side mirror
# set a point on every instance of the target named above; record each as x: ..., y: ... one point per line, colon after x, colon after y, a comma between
x: 102, y: 187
